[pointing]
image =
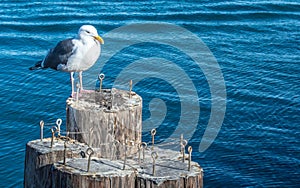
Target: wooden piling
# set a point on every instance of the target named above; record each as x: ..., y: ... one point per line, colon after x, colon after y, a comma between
x: 39, y: 159
x: 106, y: 120
x: 108, y: 155
x: 44, y: 167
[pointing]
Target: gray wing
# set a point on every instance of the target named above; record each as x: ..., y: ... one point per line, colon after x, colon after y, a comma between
x: 59, y: 54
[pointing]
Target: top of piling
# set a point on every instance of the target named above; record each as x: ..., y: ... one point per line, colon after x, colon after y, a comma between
x: 109, y: 100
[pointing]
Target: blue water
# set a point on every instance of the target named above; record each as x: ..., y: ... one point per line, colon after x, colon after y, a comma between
x: 256, y: 44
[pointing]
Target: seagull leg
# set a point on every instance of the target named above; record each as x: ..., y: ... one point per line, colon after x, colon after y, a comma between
x: 81, y: 87
x: 72, y: 83
x: 80, y: 80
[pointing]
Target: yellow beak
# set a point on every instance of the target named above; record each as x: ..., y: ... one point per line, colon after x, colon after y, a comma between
x: 98, y: 38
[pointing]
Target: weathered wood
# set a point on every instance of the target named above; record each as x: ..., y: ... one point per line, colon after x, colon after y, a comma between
x: 170, y: 171
x: 110, y: 123
x: 44, y: 168
x: 103, y: 173
x: 40, y: 157
x: 106, y: 121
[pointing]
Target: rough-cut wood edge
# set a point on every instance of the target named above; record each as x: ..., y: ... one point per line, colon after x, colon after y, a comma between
x: 44, y: 168
x: 36, y: 174
x: 111, y: 127
x: 64, y: 179
x: 39, y: 159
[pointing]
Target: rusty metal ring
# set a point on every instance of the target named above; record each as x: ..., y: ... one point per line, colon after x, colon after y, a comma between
x: 190, y: 149
x: 144, y: 145
x: 153, y: 132
x: 89, y: 151
x: 58, y: 122
x: 101, y: 76
x: 154, y: 155
x: 42, y: 123
x: 54, y: 129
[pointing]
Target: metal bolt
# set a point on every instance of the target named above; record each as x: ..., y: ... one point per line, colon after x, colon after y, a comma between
x: 153, y: 132
x: 139, y: 147
x: 154, y: 156
x: 58, y: 123
x: 125, y: 152
x: 42, y: 129
x: 144, y: 146
x: 89, y: 152
x: 101, y: 78
x: 53, y: 131
x: 183, y: 144
x: 190, y: 149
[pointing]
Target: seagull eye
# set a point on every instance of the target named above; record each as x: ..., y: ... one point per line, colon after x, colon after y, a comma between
x: 88, y: 32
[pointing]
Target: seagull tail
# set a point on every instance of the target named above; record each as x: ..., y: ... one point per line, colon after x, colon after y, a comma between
x: 38, y: 65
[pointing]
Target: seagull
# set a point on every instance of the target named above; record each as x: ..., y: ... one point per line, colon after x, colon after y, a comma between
x: 74, y: 54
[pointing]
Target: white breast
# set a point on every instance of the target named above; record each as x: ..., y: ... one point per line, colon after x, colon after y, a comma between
x: 84, y: 56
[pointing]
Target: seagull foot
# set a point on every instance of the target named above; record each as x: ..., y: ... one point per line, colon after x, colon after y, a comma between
x: 87, y: 91
x: 73, y: 95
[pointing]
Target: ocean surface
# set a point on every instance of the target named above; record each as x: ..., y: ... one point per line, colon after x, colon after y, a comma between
x: 255, y: 45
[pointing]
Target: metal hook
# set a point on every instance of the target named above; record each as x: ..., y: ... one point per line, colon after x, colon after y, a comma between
x: 140, y: 147
x: 53, y: 131
x: 183, y: 144
x: 139, y: 156
x: 42, y: 129
x: 58, y: 123
x: 153, y: 132
x: 89, y: 152
x: 154, y: 156
x: 190, y: 149
x: 101, y: 78
x: 144, y: 146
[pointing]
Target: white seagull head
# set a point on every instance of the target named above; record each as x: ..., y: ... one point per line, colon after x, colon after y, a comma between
x: 89, y: 31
